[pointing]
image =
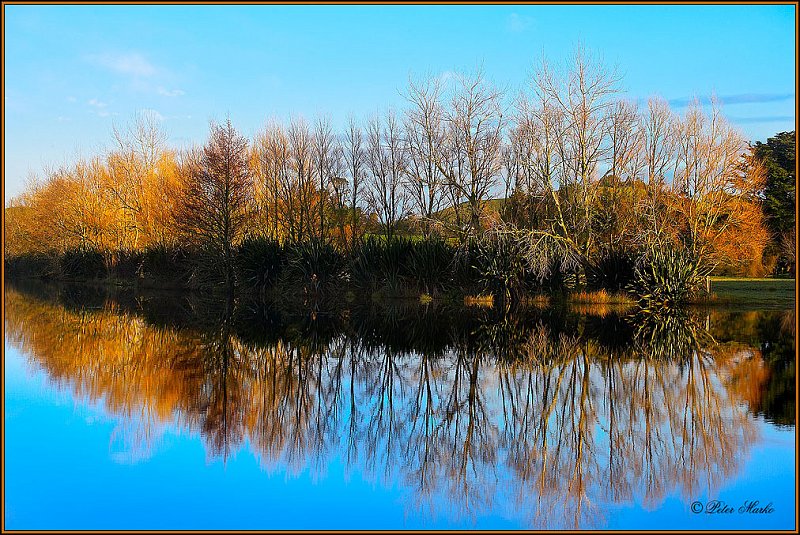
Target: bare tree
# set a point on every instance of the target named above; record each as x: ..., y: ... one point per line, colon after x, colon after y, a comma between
x: 471, y: 160
x: 658, y: 127
x: 579, y: 102
x: 340, y: 192
x: 615, y: 215
x: 425, y: 137
x: 658, y: 146
x: 300, y: 189
x: 214, y: 205
x: 386, y: 156
x: 325, y: 162
x: 278, y: 156
x: 536, y: 134
x: 714, y: 188
x: 265, y: 198
x: 624, y: 140
x: 512, y: 157
x: 355, y: 162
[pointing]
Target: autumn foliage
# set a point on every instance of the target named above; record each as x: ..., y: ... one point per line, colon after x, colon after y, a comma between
x: 569, y: 167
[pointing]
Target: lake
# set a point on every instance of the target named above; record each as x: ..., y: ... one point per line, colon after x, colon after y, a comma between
x: 128, y: 410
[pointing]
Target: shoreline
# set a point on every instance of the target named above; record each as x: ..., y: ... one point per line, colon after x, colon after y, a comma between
x: 738, y: 293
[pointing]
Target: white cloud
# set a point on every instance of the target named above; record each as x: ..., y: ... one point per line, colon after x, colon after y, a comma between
x: 132, y: 64
x: 171, y: 92
x: 517, y: 23
x: 153, y: 113
x: 98, y: 107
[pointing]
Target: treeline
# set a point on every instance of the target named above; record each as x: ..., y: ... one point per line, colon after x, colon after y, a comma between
x: 559, y: 182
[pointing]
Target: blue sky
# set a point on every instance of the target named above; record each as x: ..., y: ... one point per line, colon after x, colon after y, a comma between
x: 74, y: 71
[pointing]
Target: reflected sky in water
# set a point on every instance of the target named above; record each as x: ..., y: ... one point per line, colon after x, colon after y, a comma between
x: 137, y: 412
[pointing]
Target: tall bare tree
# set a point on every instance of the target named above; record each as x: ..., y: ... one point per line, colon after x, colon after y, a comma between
x: 536, y: 133
x: 471, y: 160
x: 386, y: 157
x: 280, y: 169
x: 581, y: 100
x: 658, y: 126
x: 263, y: 193
x: 326, y: 153
x: 300, y: 190
x: 355, y: 162
x: 215, y: 202
x: 615, y: 217
x: 624, y: 140
x: 425, y: 137
x: 715, y: 187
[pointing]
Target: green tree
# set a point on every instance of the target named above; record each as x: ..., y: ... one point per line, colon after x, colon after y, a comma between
x: 778, y: 156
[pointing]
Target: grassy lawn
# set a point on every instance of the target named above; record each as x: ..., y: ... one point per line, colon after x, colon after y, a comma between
x: 758, y: 293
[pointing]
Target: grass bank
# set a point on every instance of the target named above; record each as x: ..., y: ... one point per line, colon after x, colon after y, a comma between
x: 754, y: 293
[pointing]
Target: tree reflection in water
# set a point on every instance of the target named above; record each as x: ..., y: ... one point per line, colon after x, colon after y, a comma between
x: 543, y: 413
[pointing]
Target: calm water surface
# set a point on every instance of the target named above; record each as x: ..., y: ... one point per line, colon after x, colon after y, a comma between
x: 136, y: 412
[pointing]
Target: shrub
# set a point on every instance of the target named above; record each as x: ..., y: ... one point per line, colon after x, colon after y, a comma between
x: 125, y: 264
x: 365, y: 272
x: 557, y: 279
x: 315, y: 264
x: 501, y: 264
x: 666, y: 277
x: 382, y: 265
x: 32, y: 265
x: 430, y: 264
x: 611, y: 269
x: 465, y: 274
x: 82, y: 264
x: 165, y: 265
x: 395, y: 264
x: 259, y: 261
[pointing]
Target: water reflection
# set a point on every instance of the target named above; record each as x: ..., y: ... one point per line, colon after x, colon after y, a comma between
x: 546, y: 414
